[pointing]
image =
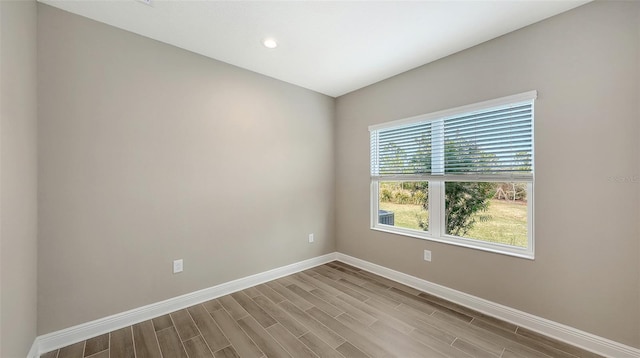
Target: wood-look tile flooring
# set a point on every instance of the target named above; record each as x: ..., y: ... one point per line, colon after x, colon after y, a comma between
x: 333, y: 310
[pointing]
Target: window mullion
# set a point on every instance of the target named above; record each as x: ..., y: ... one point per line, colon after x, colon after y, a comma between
x: 436, y: 211
x: 437, y: 147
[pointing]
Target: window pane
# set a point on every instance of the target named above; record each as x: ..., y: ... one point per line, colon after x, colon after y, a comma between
x: 493, y: 212
x: 401, y: 150
x: 404, y: 204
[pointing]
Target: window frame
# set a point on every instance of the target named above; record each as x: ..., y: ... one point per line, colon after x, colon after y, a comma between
x: 437, y: 225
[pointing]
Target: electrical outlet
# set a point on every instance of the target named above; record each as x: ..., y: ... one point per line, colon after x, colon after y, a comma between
x: 177, y: 266
x: 311, y: 238
x: 427, y: 255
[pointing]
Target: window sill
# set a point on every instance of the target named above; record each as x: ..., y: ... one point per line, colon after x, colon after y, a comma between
x: 468, y: 243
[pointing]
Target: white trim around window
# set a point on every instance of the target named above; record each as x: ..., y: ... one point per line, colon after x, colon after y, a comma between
x: 500, y: 129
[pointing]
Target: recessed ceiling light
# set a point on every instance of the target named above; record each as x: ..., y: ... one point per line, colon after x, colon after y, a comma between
x: 270, y: 43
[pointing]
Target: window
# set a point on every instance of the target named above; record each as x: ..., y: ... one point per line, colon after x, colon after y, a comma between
x: 463, y: 176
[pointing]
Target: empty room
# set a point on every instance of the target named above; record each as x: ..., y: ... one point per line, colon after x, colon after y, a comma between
x: 319, y: 179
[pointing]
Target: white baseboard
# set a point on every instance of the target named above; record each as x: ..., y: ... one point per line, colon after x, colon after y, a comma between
x: 71, y: 335
x: 570, y: 335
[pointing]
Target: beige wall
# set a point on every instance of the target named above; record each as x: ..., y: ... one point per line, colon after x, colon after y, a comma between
x: 18, y: 235
x: 150, y: 153
x: 584, y: 64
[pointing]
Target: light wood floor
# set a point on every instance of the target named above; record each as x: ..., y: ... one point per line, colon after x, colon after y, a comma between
x: 333, y: 310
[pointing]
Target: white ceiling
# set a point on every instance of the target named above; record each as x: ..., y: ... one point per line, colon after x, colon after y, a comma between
x: 332, y: 47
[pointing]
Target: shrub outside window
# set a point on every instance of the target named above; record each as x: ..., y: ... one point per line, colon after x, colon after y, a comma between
x: 463, y: 176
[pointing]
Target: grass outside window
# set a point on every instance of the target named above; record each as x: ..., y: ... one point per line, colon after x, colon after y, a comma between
x: 504, y: 221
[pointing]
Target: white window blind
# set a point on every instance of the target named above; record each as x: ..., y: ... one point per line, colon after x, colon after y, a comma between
x: 487, y: 141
